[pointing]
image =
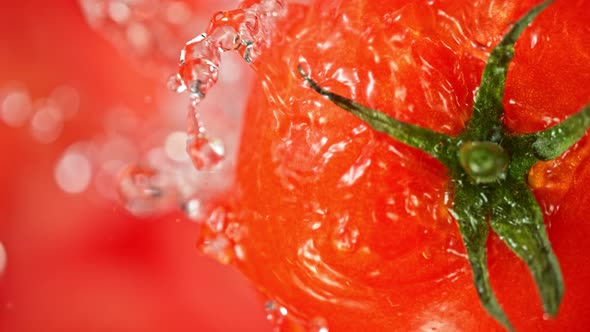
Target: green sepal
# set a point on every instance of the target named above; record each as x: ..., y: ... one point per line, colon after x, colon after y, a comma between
x: 471, y: 210
x: 518, y: 221
x: 433, y: 143
x: 486, y: 119
x: 552, y: 142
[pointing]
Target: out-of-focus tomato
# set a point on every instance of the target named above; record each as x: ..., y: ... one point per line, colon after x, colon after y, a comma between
x: 78, y: 262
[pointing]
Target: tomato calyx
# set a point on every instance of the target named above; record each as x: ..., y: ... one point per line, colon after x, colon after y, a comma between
x: 488, y: 168
x: 485, y: 162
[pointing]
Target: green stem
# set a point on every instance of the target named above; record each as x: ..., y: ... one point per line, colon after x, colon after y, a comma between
x: 433, y: 143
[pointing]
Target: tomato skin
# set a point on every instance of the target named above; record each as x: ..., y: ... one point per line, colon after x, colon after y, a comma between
x: 347, y: 224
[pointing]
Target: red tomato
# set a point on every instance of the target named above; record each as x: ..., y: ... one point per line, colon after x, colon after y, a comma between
x: 351, y: 227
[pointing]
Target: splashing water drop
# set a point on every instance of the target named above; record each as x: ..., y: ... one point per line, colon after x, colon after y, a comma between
x: 226, y: 38
x: 234, y: 231
x: 275, y: 313
x: 175, y: 84
x: 143, y: 191
x: 247, y: 30
x: 216, y: 220
x: 252, y: 31
x: 206, y: 153
x: 193, y: 209
x: 199, y: 65
x: 217, y: 247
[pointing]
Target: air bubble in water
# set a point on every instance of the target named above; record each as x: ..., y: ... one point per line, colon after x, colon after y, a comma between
x: 275, y: 313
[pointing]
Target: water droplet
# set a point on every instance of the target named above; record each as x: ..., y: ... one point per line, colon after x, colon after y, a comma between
x: 216, y: 220
x: 206, y: 153
x: 318, y: 324
x: 225, y: 38
x: 345, y: 237
x: 258, y: 26
x: 235, y: 231
x: 240, y: 253
x: 275, y: 313
x: 199, y: 65
x: 193, y: 209
x: 217, y: 247
x: 175, y: 84
x: 143, y: 190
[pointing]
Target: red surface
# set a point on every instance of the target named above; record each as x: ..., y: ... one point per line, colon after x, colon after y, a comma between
x: 78, y: 263
x: 348, y: 225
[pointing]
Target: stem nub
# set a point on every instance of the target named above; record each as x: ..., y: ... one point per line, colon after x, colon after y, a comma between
x: 485, y: 162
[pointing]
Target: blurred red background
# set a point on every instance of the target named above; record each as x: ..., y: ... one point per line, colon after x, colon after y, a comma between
x: 82, y: 262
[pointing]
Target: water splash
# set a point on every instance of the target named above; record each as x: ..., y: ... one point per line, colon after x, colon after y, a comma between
x: 275, y: 313
x: 205, y: 152
x: 247, y: 30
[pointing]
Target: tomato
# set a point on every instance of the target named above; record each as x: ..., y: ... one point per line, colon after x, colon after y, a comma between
x: 350, y: 227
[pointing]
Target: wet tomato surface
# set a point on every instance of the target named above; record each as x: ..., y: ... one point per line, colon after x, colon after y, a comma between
x: 346, y: 226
